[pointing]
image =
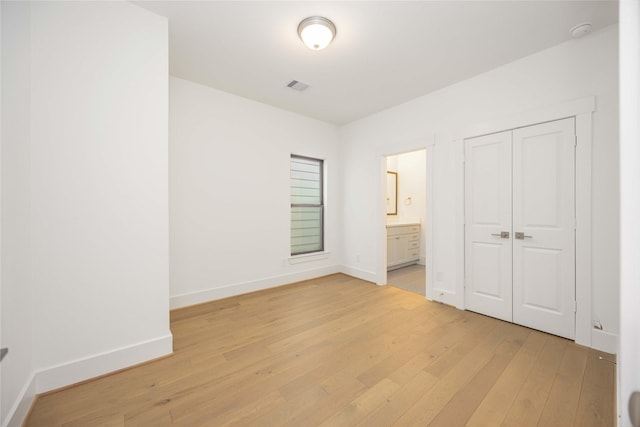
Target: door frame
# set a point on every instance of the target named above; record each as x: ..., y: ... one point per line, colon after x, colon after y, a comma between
x: 426, y: 144
x: 582, y: 109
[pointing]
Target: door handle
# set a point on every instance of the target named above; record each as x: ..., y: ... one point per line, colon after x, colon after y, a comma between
x: 521, y: 236
x: 502, y: 234
x: 634, y: 408
x: 3, y: 353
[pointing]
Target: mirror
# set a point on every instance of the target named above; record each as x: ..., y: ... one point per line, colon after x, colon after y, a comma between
x: 392, y: 193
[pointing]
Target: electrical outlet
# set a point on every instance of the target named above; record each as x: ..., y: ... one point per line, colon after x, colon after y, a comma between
x: 357, y: 257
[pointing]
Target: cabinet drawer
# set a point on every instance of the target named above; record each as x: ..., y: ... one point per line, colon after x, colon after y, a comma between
x: 413, y: 254
x: 413, y: 237
x: 404, y: 229
x: 395, y: 231
x: 413, y: 245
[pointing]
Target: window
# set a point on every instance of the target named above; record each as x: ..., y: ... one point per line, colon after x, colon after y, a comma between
x: 307, y: 205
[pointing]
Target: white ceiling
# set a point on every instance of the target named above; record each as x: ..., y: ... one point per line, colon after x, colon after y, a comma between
x: 385, y: 52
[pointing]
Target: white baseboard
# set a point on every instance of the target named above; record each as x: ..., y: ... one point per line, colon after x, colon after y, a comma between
x: 83, y: 369
x: 18, y: 412
x: 212, y: 294
x: 604, y: 341
x: 443, y: 297
x: 360, y: 274
x: 103, y: 363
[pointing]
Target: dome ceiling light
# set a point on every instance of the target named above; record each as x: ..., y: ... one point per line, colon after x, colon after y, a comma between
x: 316, y: 32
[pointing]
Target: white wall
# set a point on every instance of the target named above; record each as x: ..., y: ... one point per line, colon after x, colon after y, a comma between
x: 412, y: 182
x: 17, y: 305
x: 229, y: 187
x: 91, y: 283
x: 569, y: 71
x: 92, y: 195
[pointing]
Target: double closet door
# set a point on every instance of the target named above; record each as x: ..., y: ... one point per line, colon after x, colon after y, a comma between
x: 520, y: 226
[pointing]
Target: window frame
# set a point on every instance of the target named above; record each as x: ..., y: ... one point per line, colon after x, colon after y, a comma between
x: 321, y: 205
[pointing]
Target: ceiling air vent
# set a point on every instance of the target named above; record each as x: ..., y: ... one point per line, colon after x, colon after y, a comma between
x: 296, y: 85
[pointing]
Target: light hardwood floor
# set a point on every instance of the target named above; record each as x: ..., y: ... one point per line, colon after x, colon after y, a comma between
x: 337, y: 351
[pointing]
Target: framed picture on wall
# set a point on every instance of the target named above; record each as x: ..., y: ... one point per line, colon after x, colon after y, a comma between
x: 392, y: 193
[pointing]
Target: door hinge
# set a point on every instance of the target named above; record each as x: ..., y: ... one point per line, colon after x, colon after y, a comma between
x: 575, y: 306
x: 575, y: 140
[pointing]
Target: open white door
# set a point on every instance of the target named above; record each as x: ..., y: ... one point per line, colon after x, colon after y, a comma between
x: 488, y: 252
x: 629, y: 350
x: 544, y: 227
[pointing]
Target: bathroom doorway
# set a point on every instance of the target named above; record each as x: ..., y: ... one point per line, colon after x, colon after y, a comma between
x: 406, y: 220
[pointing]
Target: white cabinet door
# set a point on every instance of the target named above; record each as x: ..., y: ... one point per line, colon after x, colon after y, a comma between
x: 488, y: 263
x: 544, y: 212
x: 396, y: 250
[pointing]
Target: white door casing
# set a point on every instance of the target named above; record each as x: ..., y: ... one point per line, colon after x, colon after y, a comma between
x: 488, y: 252
x: 544, y: 212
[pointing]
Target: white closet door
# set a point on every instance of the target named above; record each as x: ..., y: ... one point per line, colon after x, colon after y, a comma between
x: 544, y: 212
x: 488, y: 251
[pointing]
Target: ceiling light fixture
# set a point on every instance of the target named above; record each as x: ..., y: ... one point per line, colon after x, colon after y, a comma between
x: 316, y: 32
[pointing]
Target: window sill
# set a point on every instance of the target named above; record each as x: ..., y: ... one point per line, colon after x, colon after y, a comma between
x: 316, y: 256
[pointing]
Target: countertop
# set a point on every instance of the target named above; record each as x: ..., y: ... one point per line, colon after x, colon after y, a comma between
x: 402, y: 224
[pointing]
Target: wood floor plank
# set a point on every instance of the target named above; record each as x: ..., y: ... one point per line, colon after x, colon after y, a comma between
x: 562, y: 402
x: 236, y: 412
x: 493, y: 408
x: 360, y: 407
x: 340, y: 351
x: 462, y: 405
x: 593, y: 409
x: 401, y: 400
x: 98, y: 420
x: 528, y: 404
x: 440, y: 349
x: 340, y: 391
x: 432, y: 402
x: 290, y: 408
x: 156, y: 416
x: 402, y: 354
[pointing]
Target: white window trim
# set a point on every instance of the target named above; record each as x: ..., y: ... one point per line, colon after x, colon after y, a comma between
x: 322, y: 204
x: 314, y: 256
